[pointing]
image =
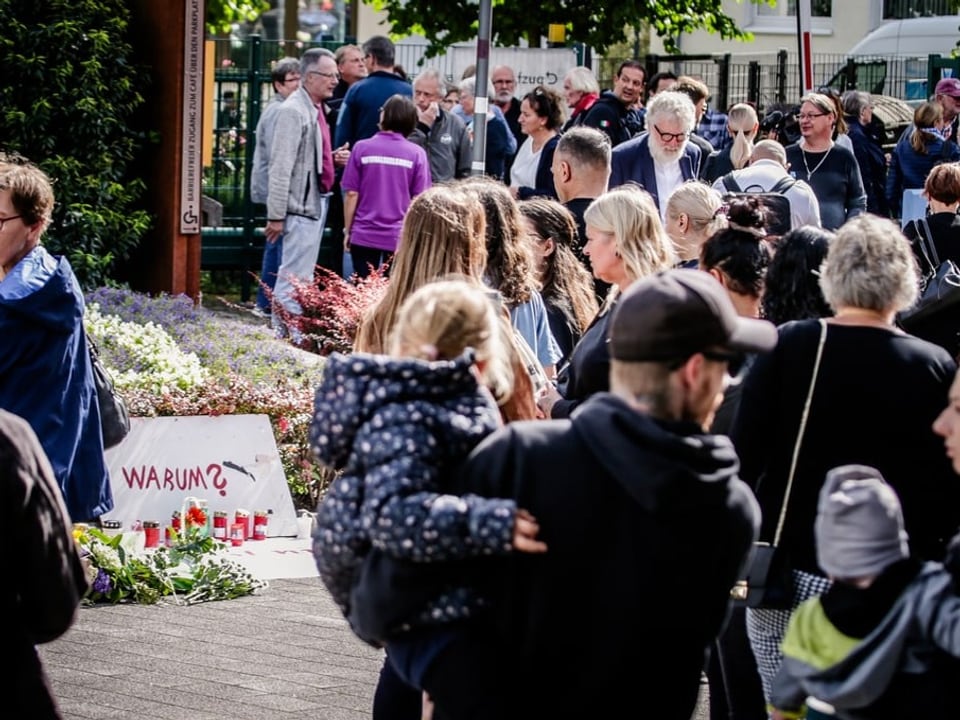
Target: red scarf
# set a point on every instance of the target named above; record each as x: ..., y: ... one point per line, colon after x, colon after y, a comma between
x: 586, y: 102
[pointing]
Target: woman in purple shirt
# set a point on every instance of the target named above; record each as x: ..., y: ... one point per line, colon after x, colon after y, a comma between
x: 384, y: 174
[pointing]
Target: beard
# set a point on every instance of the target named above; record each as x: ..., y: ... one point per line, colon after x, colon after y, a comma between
x: 503, y: 97
x: 662, y: 154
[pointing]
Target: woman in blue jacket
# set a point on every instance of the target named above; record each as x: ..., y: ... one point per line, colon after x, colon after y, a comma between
x: 45, y: 372
x: 912, y: 161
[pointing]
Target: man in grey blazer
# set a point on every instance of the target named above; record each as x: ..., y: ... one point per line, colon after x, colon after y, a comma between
x: 301, y: 175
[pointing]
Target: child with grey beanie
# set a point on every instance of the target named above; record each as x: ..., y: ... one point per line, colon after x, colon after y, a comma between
x: 882, y: 641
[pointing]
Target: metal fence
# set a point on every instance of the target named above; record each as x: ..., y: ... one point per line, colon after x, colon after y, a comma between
x: 242, y: 87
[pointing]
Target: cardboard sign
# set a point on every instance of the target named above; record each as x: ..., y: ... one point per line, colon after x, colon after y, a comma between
x: 231, y: 461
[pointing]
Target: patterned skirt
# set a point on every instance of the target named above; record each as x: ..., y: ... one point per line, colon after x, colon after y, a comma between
x: 766, y: 628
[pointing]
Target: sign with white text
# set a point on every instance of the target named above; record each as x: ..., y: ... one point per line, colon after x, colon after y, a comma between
x: 231, y: 461
x: 190, y: 165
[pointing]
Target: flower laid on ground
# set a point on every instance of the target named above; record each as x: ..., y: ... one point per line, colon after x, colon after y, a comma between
x: 246, y: 370
x: 189, y: 571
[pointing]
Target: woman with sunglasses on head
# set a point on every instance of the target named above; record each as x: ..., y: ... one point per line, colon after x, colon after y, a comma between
x: 828, y: 167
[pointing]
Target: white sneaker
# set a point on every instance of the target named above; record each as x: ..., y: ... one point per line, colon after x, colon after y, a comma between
x: 260, y: 312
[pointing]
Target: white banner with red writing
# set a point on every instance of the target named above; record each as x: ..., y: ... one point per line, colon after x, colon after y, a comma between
x: 229, y: 461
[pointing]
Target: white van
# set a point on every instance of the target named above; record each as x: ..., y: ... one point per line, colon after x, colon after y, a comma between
x: 916, y: 37
x: 892, y: 60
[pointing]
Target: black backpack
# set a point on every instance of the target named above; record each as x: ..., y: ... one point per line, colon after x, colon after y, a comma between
x: 774, y: 200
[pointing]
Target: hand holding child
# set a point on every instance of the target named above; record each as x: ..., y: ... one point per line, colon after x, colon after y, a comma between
x: 525, y: 531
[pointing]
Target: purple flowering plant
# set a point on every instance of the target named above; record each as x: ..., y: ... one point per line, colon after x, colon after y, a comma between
x: 246, y: 370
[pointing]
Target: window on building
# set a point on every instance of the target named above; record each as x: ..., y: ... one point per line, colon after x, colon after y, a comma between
x: 818, y: 8
x: 782, y: 17
x: 902, y: 9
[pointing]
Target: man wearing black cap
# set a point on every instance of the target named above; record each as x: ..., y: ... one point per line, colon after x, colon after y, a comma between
x: 645, y: 520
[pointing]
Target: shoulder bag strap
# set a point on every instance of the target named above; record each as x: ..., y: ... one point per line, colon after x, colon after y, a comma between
x: 800, y: 431
x: 925, y: 235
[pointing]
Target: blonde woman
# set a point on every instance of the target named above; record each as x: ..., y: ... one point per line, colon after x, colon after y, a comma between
x: 743, y: 125
x: 625, y: 242
x: 693, y: 215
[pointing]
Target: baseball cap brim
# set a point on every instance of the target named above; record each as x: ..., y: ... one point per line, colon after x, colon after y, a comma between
x: 751, y: 335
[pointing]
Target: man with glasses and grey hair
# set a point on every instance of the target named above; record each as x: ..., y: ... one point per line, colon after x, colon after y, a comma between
x: 442, y: 134
x: 360, y: 112
x: 286, y: 79
x: 301, y: 175
x: 661, y: 159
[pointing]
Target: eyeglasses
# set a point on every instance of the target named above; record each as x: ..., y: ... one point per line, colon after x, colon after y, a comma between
x: 3, y: 221
x: 810, y: 116
x: 332, y: 76
x: 291, y: 79
x: 668, y: 137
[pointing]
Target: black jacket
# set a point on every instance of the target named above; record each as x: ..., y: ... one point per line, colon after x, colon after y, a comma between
x: 647, y: 527
x: 614, y: 118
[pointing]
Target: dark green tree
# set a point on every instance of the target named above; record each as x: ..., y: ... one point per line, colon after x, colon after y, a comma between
x: 222, y: 14
x: 67, y: 94
x: 595, y: 23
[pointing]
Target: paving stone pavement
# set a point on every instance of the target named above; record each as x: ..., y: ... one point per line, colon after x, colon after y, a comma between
x: 280, y: 654
x: 283, y: 653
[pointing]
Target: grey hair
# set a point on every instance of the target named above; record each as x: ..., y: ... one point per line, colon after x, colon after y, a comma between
x: 283, y: 67
x: 382, y: 49
x: 469, y: 86
x: 870, y: 266
x: 769, y: 150
x: 583, y: 80
x: 311, y: 58
x: 671, y: 103
x: 586, y: 147
x: 855, y: 102
x: 432, y: 73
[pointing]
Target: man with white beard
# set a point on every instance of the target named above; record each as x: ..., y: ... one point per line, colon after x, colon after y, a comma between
x: 662, y: 158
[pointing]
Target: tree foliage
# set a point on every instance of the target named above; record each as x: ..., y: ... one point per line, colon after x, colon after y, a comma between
x: 66, y: 102
x: 597, y: 24
x: 222, y: 14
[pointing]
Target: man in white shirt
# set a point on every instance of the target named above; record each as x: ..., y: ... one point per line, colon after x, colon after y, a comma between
x: 768, y: 165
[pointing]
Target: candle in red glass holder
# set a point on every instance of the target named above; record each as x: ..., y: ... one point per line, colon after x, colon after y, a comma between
x: 243, y: 518
x: 175, y: 520
x: 220, y: 525
x: 260, y: 525
x: 236, y: 534
x: 151, y: 533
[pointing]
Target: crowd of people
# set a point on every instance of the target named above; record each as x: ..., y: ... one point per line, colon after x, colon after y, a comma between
x: 646, y: 339
x: 687, y: 300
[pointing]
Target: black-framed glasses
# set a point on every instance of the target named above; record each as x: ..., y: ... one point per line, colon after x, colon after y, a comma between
x: 3, y: 220
x: 667, y: 137
x: 292, y: 78
x: 332, y: 76
x: 810, y: 116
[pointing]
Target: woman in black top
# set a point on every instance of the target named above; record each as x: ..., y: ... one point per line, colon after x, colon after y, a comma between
x: 625, y: 242
x: 942, y: 190
x: 565, y: 284
x: 877, y: 392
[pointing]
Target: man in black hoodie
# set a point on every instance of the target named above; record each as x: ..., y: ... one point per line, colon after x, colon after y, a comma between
x: 616, y: 111
x: 645, y: 520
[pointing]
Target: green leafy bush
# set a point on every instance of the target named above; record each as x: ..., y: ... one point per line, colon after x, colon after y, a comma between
x: 67, y: 99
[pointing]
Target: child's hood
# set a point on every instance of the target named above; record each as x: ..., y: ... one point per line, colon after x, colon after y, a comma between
x: 355, y: 387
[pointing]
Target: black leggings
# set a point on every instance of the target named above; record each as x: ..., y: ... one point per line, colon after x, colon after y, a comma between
x: 366, y: 257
